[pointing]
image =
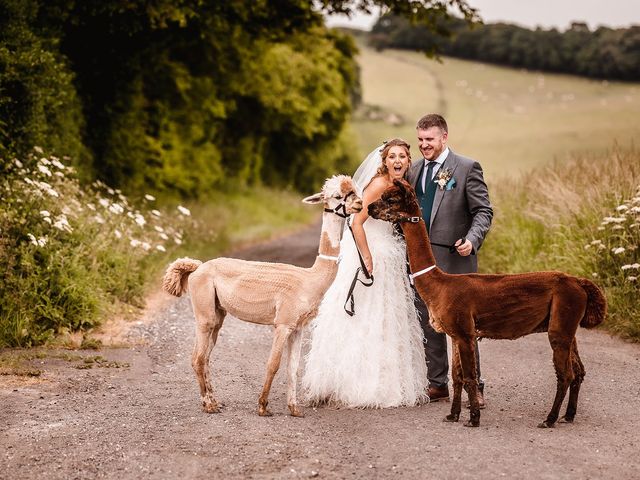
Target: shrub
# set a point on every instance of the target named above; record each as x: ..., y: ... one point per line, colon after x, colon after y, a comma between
x: 67, y: 253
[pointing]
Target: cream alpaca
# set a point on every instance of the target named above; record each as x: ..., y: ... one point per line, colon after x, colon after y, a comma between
x: 281, y: 295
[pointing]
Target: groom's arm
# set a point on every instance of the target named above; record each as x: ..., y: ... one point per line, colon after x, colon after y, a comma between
x: 479, y: 206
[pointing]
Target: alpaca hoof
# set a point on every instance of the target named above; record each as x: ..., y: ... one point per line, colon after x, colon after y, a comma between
x: 296, y: 411
x: 472, y: 423
x: 454, y: 417
x: 566, y: 419
x: 211, y: 408
x: 263, y: 412
x: 546, y: 424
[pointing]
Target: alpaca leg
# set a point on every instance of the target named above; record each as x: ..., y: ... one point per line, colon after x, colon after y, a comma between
x: 456, y: 374
x: 564, y: 373
x: 574, y: 388
x: 295, y: 345
x: 467, y: 354
x: 281, y: 334
x: 208, y: 323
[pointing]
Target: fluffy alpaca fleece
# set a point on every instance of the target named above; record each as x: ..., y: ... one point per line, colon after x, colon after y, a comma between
x: 281, y: 295
x: 466, y: 306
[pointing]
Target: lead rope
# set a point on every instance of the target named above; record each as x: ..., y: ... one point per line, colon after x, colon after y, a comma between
x: 362, y: 268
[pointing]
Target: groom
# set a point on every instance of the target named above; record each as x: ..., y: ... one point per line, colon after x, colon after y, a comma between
x: 456, y: 209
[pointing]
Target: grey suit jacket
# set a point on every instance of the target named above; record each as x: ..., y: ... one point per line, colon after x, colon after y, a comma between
x: 463, y: 210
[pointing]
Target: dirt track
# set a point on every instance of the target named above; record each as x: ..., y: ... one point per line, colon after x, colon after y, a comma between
x: 144, y: 420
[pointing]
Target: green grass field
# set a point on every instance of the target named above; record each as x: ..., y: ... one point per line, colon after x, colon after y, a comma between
x: 510, y: 120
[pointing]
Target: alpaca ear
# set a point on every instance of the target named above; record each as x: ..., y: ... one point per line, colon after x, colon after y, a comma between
x: 314, y: 199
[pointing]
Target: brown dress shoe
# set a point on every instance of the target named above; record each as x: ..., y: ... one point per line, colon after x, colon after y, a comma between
x: 437, y: 394
x: 480, y: 401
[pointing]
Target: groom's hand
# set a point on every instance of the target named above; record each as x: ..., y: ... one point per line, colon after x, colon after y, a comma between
x: 464, y: 249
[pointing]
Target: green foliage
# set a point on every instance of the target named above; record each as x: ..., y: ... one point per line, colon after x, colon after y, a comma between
x: 603, y: 53
x: 38, y: 102
x: 67, y: 253
x: 559, y: 218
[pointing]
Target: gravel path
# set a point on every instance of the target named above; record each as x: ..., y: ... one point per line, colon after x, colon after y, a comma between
x: 136, y: 413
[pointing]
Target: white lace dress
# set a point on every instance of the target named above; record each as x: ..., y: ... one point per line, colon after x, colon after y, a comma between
x: 375, y: 358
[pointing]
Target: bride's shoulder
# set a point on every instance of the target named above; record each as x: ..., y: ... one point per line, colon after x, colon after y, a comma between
x: 377, y: 186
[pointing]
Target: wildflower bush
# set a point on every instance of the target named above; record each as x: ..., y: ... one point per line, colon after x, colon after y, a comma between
x: 581, y: 216
x: 67, y: 253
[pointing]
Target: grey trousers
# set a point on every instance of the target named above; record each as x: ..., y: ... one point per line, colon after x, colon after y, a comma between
x: 435, y: 350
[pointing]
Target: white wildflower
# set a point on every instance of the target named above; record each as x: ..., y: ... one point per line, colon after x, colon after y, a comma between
x: 28, y: 181
x: 134, y: 243
x: 56, y: 163
x: 38, y: 150
x: 44, y: 170
x: 625, y: 267
x: 184, y: 211
x: 63, y: 224
x: 111, y: 191
x: 48, y: 220
x: 18, y: 163
x: 587, y: 247
x: 594, y: 275
x: 618, y: 250
x: 596, y: 242
x: 617, y: 227
x: 164, y: 236
x: 635, y: 265
x: 98, y: 218
x: 151, y: 198
x: 117, y: 233
x: 622, y: 208
x: 177, y: 241
x: 33, y: 239
x: 600, y: 228
x: 631, y: 278
x: 104, y: 202
x: 158, y: 228
x: 116, y: 208
x: 45, y: 213
x: 59, y: 174
x: 161, y: 248
x: 91, y: 207
x: 139, y: 219
x: 145, y: 246
x: 156, y: 213
x: 45, y: 161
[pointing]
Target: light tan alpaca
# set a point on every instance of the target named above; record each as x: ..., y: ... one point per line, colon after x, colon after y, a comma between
x: 281, y: 295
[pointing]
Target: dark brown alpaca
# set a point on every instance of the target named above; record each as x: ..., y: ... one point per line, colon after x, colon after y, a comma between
x: 466, y: 306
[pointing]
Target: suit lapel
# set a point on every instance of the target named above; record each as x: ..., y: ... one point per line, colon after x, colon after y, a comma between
x: 450, y: 163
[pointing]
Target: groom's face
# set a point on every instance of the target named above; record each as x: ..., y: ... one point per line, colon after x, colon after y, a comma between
x: 432, y: 142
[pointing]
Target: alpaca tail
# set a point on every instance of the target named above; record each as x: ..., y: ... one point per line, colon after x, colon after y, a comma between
x: 177, y: 274
x: 596, y: 304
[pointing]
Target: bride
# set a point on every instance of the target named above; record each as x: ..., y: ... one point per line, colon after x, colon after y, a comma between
x: 374, y: 358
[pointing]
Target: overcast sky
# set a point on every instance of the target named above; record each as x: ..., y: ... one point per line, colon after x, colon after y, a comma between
x: 544, y: 13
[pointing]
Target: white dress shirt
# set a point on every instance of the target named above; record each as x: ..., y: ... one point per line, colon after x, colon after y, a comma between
x: 439, y: 161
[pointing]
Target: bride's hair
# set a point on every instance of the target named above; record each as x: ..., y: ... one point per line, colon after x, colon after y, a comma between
x: 394, y: 142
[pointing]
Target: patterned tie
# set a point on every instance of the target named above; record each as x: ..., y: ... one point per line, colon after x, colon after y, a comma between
x: 426, y: 197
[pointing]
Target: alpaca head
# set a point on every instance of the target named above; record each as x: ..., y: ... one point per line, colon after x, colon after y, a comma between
x: 337, y: 191
x: 397, y: 203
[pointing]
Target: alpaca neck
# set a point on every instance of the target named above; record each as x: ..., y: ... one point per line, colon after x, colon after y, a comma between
x: 332, y: 227
x: 418, y: 246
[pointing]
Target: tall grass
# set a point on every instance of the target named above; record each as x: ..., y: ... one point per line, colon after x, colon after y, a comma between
x: 581, y: 216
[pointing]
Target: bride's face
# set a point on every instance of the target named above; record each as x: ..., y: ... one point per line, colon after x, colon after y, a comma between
x: 397, y: 162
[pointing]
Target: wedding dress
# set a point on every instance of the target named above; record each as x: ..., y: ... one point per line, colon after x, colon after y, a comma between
x: 374, y: 358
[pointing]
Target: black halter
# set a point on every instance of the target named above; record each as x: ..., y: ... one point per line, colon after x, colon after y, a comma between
x: 341, y: 209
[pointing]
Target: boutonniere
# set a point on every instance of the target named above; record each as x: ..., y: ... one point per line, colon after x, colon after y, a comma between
x: 442, y: 179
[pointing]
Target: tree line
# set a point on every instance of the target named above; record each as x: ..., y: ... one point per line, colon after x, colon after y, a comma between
x: 605, y: 53
x: 185, y: 96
